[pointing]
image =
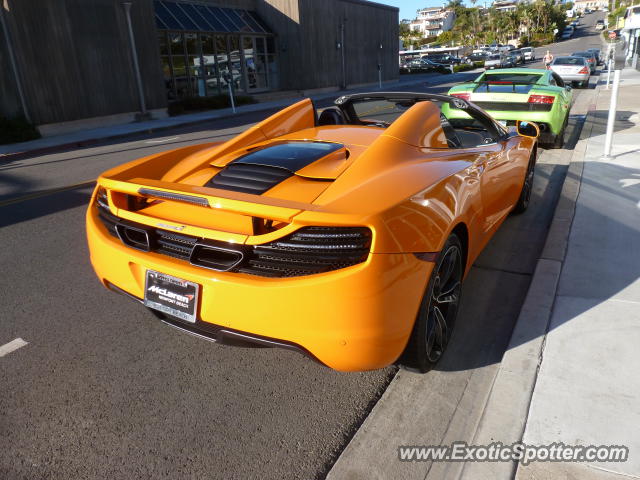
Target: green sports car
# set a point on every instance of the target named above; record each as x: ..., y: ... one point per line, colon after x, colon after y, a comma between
x: 512, y: 94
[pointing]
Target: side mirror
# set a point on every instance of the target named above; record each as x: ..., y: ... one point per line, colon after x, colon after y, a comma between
x: 568, y: 88
x: 527, y: 129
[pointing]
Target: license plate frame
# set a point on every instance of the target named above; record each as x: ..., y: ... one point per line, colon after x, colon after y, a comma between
x: 172, y: 295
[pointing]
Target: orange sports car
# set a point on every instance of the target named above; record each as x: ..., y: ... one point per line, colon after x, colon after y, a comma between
x: 344, y: 235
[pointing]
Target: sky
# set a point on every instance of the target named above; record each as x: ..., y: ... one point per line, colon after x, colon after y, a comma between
x: 408, y: 8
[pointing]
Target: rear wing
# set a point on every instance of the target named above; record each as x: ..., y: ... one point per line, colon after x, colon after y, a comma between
x: 204, y: 197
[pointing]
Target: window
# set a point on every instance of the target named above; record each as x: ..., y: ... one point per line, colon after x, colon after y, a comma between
x: 203, y: 53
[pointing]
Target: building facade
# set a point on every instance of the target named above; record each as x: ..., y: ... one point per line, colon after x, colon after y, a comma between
x: 73, y: 60
x: 431, y: 22
x: 506, y: 5
x: 581, y: 5
x: 631, y: 35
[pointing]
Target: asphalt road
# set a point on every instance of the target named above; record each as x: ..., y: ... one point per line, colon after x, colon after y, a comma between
x: 104, y: 390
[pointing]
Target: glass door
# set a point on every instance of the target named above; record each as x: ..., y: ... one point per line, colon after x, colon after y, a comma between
x: 254, y: 53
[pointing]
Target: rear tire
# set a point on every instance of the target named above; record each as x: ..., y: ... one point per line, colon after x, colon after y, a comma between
x: 558, y: 141
x: 438, y: 310
x: 527, y: 187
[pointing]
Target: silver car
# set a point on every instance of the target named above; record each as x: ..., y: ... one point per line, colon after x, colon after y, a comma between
x: 572, y: 69
x: 529, y: 53
x: 494, y: 61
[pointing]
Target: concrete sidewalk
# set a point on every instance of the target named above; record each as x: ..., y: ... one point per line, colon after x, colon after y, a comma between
x: 89, y: 136
x: 588, y: 387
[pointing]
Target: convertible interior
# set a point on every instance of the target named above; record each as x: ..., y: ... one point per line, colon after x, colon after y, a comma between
x: 381, y: 111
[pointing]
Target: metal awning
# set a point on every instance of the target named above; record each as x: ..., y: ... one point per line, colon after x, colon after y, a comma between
x: 205, y: 18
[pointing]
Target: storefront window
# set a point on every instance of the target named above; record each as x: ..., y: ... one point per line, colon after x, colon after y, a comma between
x: 212, y: 80
x: 235, y: 63
x: 205, y: 49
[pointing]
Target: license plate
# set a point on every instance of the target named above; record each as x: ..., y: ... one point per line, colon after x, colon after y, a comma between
x: 171, y: 295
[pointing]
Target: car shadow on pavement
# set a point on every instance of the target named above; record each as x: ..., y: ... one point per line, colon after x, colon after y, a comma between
x: 41, y: 206
x: 492, y: 299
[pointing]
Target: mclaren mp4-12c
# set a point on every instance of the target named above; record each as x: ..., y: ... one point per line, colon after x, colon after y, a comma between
x: 343, y: 235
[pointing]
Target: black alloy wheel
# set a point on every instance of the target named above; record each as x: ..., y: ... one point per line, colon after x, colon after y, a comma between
x: 438, y: 310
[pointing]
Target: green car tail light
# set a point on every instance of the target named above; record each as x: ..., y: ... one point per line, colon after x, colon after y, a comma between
x: 464, y: 96
x: 541, y: 99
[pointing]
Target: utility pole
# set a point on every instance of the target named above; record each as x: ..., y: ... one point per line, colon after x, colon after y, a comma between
x: 134, y: 57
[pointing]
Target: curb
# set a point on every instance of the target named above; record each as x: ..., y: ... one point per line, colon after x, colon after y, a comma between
x: 278, y: 104
x: 507, y: 408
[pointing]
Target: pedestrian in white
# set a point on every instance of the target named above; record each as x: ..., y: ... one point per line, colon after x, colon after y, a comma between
x: 547, y: 59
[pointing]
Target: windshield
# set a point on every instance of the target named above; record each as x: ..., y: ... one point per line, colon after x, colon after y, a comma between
x: 569, y: 61
x: 494, y: 57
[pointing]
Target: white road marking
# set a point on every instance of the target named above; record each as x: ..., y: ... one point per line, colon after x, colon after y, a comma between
x: 11, y: 346
x: 630, y: 182
x: 162, y: 140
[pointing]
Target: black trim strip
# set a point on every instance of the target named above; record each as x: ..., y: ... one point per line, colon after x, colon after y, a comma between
x: 218, y: 334
x: 180, y: 197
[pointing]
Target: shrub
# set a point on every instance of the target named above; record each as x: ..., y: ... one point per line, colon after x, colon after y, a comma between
x: 463, y: 67
x: 198, y: 104
x: 13, y: 130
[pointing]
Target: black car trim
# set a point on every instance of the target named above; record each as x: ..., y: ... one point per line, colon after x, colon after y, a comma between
x: 262, y: 169
x: 215, y: 333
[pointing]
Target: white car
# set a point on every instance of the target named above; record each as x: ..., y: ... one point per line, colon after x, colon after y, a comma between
x: 528, y: 53
x: 497, y: 60
x: 572, y: 70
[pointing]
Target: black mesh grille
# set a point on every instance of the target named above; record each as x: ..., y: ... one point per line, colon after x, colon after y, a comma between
x: 515, y: 106
x: 173, y: 244
x: 305, y: 252
x: 249, y: 178
x: 310, y: 250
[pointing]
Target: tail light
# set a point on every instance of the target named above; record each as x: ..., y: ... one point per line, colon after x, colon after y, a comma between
x: 541, y: 99
x: 584, y: 70
x: 101, y: 199
x: 464, y: 96
x: 310, y: 250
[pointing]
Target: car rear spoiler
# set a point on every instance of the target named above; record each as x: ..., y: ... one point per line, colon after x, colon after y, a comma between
x: 224, y: 200
x: 502, y: 83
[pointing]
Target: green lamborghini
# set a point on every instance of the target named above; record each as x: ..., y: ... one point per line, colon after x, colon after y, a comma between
x: 512, y: 94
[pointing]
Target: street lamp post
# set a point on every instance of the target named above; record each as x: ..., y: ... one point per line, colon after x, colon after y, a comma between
x: 134, y: 57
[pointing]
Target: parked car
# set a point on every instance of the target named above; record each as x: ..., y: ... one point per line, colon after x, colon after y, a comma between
x: 528, y: 53
x: 443, y: 58
x: 600, y: 25
x: 572, y: 70
x: 237, y: 241
x: 477, y: 57
x: 421, y: 65
x: 519, y: 54
x: 510, y: 61
x: 575, y: 24
x: 591, y: 58
x: 505, y: 94
x: 495, y: 60
x: 596, y: 52
x: 567, y: 33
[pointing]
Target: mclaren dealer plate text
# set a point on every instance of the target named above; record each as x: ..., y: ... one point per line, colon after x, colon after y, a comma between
x: 171, y: 295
